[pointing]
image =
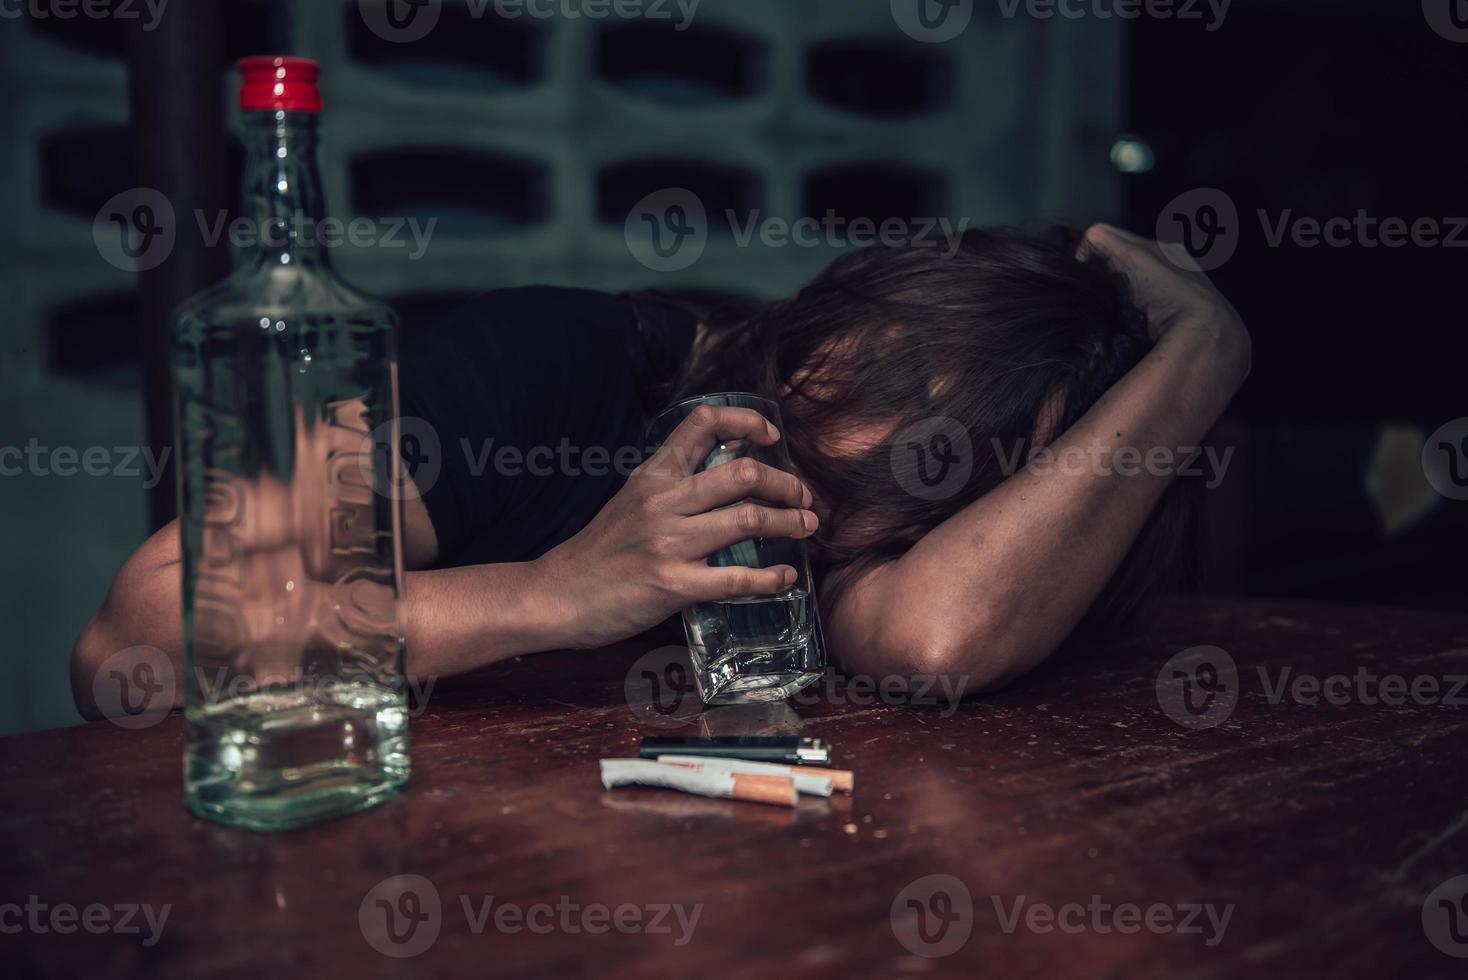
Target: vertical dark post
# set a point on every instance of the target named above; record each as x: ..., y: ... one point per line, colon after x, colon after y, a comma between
x: 178, y: 128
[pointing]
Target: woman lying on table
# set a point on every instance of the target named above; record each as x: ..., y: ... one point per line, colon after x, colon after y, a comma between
x: 1099, y: 350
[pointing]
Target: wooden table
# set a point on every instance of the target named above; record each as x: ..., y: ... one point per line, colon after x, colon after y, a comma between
x: 1325, y: 828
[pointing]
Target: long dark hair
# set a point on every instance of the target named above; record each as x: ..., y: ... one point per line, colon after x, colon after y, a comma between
x: 1012, y: 337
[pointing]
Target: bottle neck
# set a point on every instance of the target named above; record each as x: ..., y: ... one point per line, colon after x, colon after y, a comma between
x: 282, y: 191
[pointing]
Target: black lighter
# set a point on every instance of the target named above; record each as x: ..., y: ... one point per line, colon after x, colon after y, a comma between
x: 760, y: 748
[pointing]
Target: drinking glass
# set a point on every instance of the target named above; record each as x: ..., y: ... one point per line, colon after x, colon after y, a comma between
x: 757, y: 648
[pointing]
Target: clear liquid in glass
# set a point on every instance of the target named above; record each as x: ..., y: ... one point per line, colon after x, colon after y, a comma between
x: 755, y: 649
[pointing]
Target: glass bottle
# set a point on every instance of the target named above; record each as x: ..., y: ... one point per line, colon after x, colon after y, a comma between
x: 286, y: 416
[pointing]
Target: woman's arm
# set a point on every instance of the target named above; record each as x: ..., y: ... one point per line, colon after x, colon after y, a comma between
x: 993, y: 590
x: 639, y: 561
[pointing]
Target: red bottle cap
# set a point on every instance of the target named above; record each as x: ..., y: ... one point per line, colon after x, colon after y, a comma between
x: 272, y: 81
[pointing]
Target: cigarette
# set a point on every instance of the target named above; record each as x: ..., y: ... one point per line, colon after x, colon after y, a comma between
x: 842, y: 780
x: 756, y: 788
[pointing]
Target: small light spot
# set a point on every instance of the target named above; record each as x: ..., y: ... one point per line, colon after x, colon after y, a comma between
x: 1131, y: 155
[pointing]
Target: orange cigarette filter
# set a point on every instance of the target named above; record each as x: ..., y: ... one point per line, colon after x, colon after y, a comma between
x: 778, y: 790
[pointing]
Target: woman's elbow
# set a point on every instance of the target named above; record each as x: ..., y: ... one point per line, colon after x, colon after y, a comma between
x: 91, y: 649
x: 982, y: 656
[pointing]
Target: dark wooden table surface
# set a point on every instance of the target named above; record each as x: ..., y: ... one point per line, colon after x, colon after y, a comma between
x: 1320, y: 830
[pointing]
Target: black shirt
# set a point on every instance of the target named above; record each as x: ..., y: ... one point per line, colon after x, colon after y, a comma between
x: 533, y: 402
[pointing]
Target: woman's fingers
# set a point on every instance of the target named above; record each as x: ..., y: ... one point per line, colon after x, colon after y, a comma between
x: 714, y: 531
x: 707, y: 425
x: 739, y: 480
x: 737, y: 582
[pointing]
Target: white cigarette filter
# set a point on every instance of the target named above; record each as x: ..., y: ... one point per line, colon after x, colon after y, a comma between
x: 813, y: 777
x: 777, y: 790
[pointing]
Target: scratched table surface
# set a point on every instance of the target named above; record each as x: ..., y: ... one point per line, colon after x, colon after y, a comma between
x: 1274, y: 806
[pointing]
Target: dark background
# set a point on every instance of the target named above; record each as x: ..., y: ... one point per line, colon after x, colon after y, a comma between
x: 531, y: 140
